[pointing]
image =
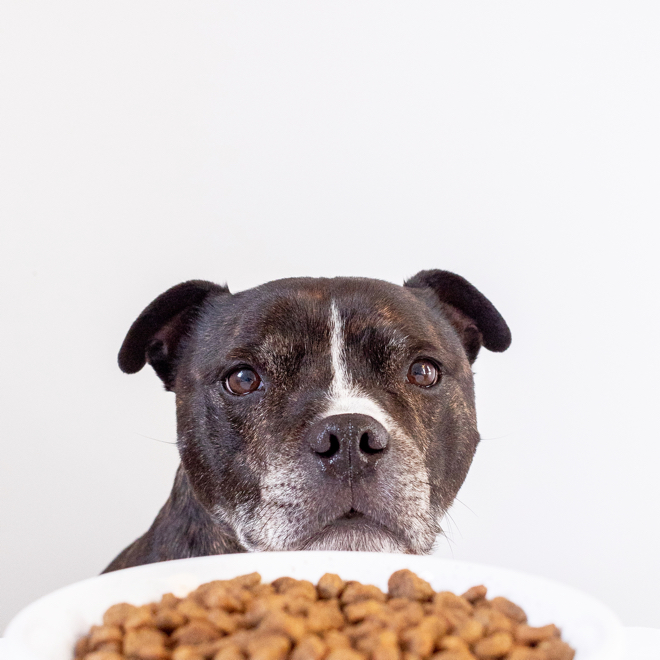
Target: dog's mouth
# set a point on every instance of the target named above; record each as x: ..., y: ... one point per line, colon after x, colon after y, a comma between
x: 354, y: 530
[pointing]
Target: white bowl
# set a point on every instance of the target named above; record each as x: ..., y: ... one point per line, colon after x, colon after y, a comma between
x: 48, y: 628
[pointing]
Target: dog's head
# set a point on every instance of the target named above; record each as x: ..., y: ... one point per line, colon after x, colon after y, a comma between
x: 322, y: 413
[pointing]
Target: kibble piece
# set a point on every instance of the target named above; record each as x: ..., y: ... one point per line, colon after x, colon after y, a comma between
x: 330, y: 586
x: 247, y: 581
x: 146, y: 644
x: 310, y: 647
x: 336, y: 640
x: 406, y: 584
x: 103, y: 634
x: 224, y: 622
x: 453, y: 655
x: 509, y: 609
x: 528, y: 635
x: 362, y: 609
x: 269, y: 647
x: 196, y: 632
x: 452, y: 643
x: 345, y: 654
x: 324, y: 615
x: 259, y: 608
x: 493, y: 620
x: 81, y: 647
x: 104, y: 655
x: 169, y: 600
x: 187, y: 652
x: 555, y: 649
x: 355, y: 592
x: 494, y: 646
x: 229, y: 652
x: 140, y: 617
x: 449, y: 600
x: 421, y: 640
x: 224, y: 596
x: 526, y: 653
x: 115, y: 647
x: 117, y: 614
x: 474, y: 594
x: 471, y: 631
x: 168, y: 619
x: 280, y: 622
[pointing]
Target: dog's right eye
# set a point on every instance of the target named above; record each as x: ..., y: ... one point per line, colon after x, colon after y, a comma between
x: 243, y: 381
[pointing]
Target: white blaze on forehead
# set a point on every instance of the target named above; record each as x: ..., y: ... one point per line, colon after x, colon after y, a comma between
x: 344, y: 396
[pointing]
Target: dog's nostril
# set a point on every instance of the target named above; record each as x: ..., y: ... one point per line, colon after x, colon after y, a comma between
x: 369, y: 444
x: 332, y: 444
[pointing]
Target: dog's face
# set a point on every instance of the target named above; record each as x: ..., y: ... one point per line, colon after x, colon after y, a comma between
x: 321, y: 413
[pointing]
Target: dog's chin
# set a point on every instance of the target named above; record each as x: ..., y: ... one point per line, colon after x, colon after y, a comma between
x: 357, y: 533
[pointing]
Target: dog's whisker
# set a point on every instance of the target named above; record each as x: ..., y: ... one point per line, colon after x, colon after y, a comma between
x: 148, y: 437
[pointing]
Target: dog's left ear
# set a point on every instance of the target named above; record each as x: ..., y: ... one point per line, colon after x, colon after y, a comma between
x: 472, y: 315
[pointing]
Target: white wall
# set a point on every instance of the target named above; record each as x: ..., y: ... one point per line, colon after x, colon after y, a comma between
x: 515, y: 143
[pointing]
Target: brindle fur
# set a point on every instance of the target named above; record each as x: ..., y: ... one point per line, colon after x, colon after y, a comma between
x: 248, y: 479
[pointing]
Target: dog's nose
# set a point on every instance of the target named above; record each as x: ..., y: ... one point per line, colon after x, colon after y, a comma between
x: 350, y: 434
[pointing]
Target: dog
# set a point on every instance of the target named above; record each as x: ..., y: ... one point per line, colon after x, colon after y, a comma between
x: 314, y: 413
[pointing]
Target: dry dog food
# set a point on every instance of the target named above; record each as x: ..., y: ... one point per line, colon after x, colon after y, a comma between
x: 244, y: 619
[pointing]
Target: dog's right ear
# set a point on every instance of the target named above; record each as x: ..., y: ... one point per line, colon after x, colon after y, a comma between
x: 155, y: 336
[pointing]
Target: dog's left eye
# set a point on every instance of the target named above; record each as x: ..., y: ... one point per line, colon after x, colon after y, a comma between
x: 243, y: 381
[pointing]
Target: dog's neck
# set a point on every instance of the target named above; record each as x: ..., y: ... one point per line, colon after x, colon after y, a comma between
x: 183, y: 528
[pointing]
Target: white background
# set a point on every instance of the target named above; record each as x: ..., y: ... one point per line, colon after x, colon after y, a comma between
x: 515, y: 143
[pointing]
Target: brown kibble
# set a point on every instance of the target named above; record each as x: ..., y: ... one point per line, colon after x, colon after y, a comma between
x: 494, y: 646
x: 324, y: 615
x: 493, y: 620
x: 229, y: 652
x: 244, y: 619
x: 115, y: 647
x: 295, y: 588
x: 81, y: 647
x: 449, y: 600
x: 141, y: 617
x: 168, y: 601
x: 187, y: 652
x: 526, y: 653
x: 279, y: 622
x: 330, y: 586
x: 222, y: 595
x: 146, y: 644
x: 197, y: 631
x: 336, y: 640
x: 259, y: 608
x: 528, y: 635
x: 362, y: 609
x: 474, y: 594
x: 224, y: 622
x: 248, y: 581
x: 104, y: 655
x: 471, y: 631
x: 509, y: 609
x: 117, y: 614
x: 310, y: 647
x: 453, y: 643
x: 453, y: 655
x: 555, y: 649
x: 167, y: 619
x: 421, y: 640
x: 269, y: 647
x: 190, y: 609
x: 406, y: 584
x: 345, y: 654
x: 355, y: 592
